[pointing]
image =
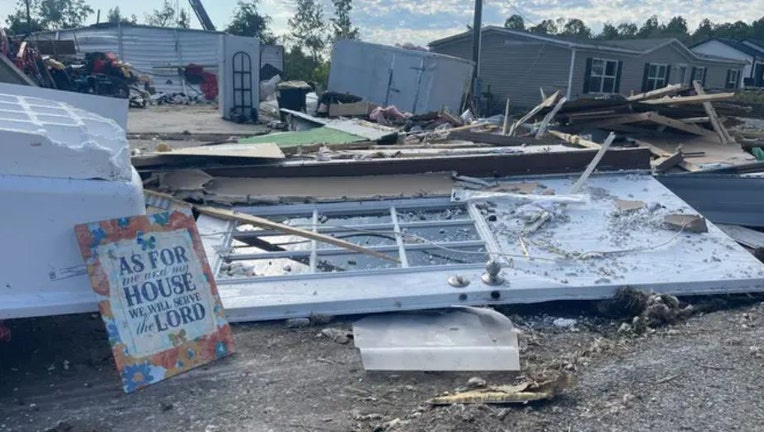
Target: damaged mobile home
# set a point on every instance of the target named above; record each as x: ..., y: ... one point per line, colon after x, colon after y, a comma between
x: 394, y: 184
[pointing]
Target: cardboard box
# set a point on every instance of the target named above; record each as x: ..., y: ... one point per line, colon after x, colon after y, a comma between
x: 355, y: 109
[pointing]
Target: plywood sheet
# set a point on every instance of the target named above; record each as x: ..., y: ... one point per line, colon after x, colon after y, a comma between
x: 328, y: 188
x: 256, y: 151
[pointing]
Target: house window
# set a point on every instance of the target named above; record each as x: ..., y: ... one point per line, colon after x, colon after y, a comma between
x: 699, y: 74
x: 603, y: 76
x: 656, y: 76
x: 417, y: 233
x: 733, y: 79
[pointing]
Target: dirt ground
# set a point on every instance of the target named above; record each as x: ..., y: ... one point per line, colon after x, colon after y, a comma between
x: 184, y: 119
x: 701, y: 375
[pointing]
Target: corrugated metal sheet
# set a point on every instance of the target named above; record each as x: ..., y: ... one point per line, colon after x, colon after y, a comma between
x: 153, y: 51
x: 413, y: 81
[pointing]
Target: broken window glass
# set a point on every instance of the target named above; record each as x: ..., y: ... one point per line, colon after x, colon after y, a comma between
x: 414, y: 233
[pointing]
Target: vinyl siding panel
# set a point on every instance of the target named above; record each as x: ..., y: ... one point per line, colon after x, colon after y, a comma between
x: 634, y: 68
x: 515, y: 67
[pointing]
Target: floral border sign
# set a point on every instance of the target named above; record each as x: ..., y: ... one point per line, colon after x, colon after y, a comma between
x: 156, y: 294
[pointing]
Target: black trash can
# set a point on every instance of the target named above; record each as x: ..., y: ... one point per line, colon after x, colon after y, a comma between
x: 291, y: 95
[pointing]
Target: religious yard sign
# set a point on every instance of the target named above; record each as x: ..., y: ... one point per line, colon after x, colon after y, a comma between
x: 156, y: 294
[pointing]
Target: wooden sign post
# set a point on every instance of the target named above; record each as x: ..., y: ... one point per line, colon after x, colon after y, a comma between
x: 156, y: 294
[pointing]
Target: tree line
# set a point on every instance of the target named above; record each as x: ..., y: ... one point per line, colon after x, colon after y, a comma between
x: 676, y: 27
x: 311, y: 30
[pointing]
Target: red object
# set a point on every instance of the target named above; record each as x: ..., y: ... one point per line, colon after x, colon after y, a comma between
x: 5, y: 333
x: 209, y: 86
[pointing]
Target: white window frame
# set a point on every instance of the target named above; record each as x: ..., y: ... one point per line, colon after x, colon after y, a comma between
x: 479, y: 249
x: 702, y: 77
x: 602, y: 77
x: 656, y: 80
x: 733, y: 84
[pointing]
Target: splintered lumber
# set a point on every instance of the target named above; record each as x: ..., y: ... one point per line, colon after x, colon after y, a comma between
x: 690, y: 99
x: 654, y: 117
x: 505, y: 128
x: 549, y: 116
x: 676, y: 124
x: 575, y: 139
x: 532, y: 113
x: 593, y: 165
x: 696, y: 120
x: 265, y: 223
x: 724, y: 136
x: 670, y: 89
x: 665, y: 163
x: 624, y: 119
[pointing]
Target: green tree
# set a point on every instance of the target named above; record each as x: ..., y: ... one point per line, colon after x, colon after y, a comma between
x: 247, y: 21
x: 651, y: 28
x: 49, y: 15
x: 627, y: 30
x: 704, y: 31
x: 115, y: 16
x: 757, y: 29
x: 609, y: 32
x: 544, y: 27
x: 341, y: 24
x: 737, y: 30
x: 184, y: 20
x: 308, y: 29
x: 515, y: 22
x: 574, y: 27
x: 676, y: 28
x: 162, y: 17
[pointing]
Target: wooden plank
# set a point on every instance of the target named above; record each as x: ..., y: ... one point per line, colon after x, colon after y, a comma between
x: 532, y: 113
x: 265, y: 223
x: 724, y: 136
x: 628, y: 118
x: 745, y: 236
x: 665, y: 163
x: 496, y: 139
x: 690, y: 99
x: 670, y: 89
x: 575, y: 139
x: 549, y: 117
x: 593, y: 165
x: 485, y: 165
x: 676, y: 124
x: 696, y: 120
x: 505, y: 128
x: 246, y: 151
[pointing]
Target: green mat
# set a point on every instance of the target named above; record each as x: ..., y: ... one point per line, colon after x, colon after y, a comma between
x: 322, y: 135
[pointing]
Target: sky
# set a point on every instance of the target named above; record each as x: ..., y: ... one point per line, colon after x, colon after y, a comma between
x: 421, y: 21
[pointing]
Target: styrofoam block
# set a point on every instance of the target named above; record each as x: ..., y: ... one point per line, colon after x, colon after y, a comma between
x: 46, y: 138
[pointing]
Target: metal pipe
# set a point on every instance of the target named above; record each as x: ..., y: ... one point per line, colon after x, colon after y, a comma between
x: 476, y: 36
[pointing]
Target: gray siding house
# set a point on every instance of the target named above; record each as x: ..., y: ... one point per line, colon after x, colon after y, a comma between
x: 516, y: 64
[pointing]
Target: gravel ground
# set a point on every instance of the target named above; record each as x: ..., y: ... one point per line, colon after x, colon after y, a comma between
x: 700, y: 375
